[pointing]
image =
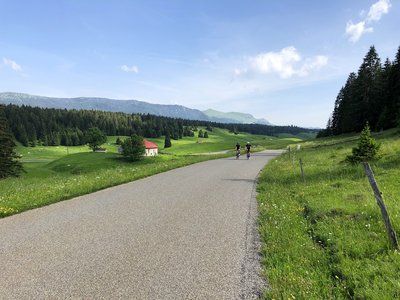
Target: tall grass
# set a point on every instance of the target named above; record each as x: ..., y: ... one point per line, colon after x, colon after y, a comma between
x: 324, y: 238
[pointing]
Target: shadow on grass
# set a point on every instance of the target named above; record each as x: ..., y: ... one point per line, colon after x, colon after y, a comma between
x: 239, y: 180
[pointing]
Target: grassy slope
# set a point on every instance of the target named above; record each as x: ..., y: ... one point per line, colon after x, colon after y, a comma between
x: 52, y: 175
x: 324, y: 238
x: 220, y: 140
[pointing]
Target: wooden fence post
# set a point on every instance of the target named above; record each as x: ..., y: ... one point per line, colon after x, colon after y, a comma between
x: 378, y: 196
x: 301, y: 168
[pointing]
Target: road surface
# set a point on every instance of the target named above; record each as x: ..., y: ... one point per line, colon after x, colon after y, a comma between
x: 189, y: 233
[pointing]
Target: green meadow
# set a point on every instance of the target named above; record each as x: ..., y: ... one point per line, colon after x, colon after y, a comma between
x: 222, y: 140
x: 324, y: 238
x: 58, y: 173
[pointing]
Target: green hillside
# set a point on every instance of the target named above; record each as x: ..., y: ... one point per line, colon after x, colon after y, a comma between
x: 324, y: 238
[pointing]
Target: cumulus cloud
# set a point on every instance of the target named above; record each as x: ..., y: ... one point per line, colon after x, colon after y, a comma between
x: 133, y: 69
x: 355, y: 31
x: 286, y: 63
x: 375, y: 13
x: 312, y: 64
x: 378, y: 9
x: 277, y: 62
x: 12, y: 64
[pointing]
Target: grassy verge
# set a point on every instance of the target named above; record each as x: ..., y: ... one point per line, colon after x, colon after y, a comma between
x: 324, y: 238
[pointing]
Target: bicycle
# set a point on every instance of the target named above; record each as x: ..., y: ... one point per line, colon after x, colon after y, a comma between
x: 237, y: 154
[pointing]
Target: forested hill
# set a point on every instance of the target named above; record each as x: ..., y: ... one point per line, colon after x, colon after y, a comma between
x: 371, y: 95
x: 126, y: 106
x: 103, y: 104
x: 49, y: 126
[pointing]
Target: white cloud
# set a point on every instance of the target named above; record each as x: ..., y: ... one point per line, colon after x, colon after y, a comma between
x: 133, y: 69
x: 355, y: 31
x: 378, y: 9
x: 313, y: 64
x: 286, y: 63
x: 375, y: 13
x: 277, y: 62
x: 239, y: 72
x: 12, y: 64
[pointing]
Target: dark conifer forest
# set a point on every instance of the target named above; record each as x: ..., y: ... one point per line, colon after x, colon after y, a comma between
x: 52, y: 127
x: 371, y: 95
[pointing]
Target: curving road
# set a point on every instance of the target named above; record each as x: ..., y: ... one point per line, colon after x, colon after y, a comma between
x: 189, y: 233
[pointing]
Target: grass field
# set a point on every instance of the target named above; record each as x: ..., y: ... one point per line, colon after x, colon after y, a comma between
x: 58, y: 173
x: 324, y: 238
x: 220, y: 140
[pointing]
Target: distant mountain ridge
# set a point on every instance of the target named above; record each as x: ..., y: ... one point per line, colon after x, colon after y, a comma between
x: 236, y: 117
x: 127, y: 106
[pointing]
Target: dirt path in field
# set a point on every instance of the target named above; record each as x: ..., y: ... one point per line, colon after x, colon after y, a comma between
x: 189, y: 233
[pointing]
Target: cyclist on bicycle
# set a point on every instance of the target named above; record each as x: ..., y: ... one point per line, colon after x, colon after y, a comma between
x: 248, y: 147
x: 237, y: 150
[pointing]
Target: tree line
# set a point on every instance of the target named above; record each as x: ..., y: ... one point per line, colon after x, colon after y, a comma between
x: 52, y: 127
x: 371, y: 95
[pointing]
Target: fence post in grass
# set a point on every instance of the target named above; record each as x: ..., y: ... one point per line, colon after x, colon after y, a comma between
x: 379, y: 199
x: 294, y: 156
x: 301, y: 168
x: 289, y: 152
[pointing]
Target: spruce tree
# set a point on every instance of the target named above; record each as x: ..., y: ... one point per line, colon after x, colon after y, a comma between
x: 9, y: 164
x: 387, y: 115
x: 367, y: 91
x: 347, y: 109
x: 167, y: 142
x: 394, y: 87
x: 367, y: 148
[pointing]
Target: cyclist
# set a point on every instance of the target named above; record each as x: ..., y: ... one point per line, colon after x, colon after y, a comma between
x: 248, y: 147
x: 237, y: 150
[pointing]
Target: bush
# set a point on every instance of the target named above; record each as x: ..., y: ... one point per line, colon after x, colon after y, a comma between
x: 133, y: 148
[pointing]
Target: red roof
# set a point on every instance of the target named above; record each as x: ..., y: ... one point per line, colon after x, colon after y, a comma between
x: 149, y: 145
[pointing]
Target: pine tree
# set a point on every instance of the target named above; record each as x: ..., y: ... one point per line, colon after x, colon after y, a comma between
x: 367, y: 148
x: 387, y: 116
x: 167, y: 142
x: 394, y: 87
x: 9, y: 164
x: 367, y: 91
x: 206, y: 135
x: 200, y: 135
x: 335, y: 120
x: 347, y: 109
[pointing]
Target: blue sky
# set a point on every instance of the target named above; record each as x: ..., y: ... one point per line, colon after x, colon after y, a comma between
x: 280, y: 60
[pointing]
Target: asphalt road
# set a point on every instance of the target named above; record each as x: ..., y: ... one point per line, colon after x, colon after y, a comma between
x: 189, y: 233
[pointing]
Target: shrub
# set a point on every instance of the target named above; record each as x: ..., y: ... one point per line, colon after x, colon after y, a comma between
x: 133, y: 148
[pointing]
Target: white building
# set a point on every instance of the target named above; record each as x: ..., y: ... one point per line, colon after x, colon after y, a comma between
x: 151, y: 148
